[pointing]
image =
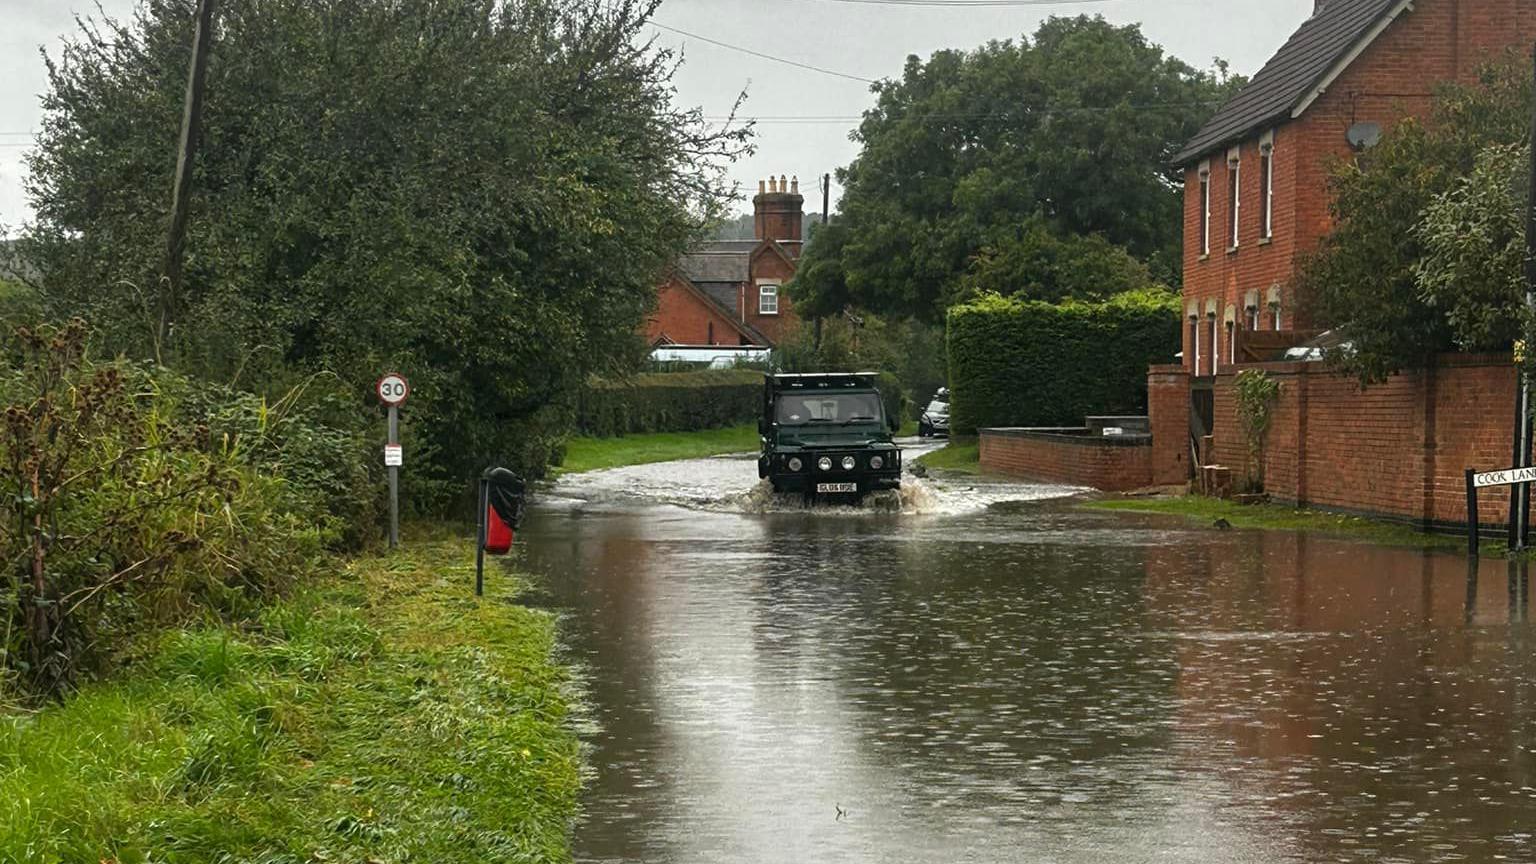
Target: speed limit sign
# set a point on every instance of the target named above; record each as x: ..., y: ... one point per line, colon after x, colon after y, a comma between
x: 393, y: 389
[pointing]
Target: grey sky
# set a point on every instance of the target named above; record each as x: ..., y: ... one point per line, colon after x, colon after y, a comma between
x: 867, y: 40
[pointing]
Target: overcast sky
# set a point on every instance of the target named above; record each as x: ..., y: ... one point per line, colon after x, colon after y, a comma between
x: 806, y: 115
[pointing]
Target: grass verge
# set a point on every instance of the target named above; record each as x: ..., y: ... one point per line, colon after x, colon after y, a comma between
x: 592, y: 454
x: 385, y: 715
x: 959, y: 455
x: 1281, y: 518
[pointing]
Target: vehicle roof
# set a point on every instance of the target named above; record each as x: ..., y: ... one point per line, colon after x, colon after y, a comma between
x: 822, y: 380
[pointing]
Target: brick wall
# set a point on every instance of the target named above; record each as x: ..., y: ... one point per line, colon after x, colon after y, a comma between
x: 1116, y: 465
x: 1168, y: 409
x: 1397, y: 449
x: 688, y: 319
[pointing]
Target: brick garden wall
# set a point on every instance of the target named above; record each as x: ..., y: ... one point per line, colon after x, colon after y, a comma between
x: 1113, y: 465
x: 1397, y: 449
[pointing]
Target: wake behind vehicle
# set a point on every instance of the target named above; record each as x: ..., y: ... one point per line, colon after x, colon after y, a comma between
x: 827, y: 435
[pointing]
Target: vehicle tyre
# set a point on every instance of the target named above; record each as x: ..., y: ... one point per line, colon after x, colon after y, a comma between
x: 924, y: 430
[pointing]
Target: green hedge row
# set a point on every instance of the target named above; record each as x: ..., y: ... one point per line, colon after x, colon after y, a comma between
x: 670, y: 402
x: 1028, y: 363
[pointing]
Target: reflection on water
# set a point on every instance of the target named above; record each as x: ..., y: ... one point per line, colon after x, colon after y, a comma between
x: 1028, y: 682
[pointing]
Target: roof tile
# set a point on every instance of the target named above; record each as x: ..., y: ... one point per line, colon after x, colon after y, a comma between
x: 1299, y: 66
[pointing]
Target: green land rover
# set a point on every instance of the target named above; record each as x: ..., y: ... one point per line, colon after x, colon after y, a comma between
x: 827, y: 435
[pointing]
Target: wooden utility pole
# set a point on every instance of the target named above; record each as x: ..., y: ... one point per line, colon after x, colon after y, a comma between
x: 191, y: 119
x: 826, y: 212
x: 1520, y: 494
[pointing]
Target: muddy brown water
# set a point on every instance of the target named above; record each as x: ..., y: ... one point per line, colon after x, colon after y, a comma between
x: 992, y: 674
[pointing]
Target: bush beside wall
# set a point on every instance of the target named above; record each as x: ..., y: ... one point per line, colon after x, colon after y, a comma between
x: 670, y: 402
x: 1029, y: 363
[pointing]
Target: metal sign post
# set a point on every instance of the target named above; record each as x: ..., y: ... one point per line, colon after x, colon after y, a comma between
x: 484, y: 508
x: 393, y: 390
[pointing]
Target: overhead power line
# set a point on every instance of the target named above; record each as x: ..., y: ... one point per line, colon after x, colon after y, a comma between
x: 755, y: 53
x: 1038, y: 110
x: 962, y: 4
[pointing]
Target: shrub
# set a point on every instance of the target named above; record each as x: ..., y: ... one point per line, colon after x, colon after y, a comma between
x: 1028, y: 363
x: 1256, y: 396
x: 118, y: 514
x: 314, y: 437
x: 670, y: 402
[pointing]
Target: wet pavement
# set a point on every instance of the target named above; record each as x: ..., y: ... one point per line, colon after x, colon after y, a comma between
x: 983, y: 672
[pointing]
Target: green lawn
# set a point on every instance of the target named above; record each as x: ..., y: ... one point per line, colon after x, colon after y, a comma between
x: 1206, y: 511
x: 962, y: 456
x: 591, y: 454
x: 384, y: 716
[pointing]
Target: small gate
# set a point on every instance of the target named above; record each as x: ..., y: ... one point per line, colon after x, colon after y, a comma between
x: 1202, y: 419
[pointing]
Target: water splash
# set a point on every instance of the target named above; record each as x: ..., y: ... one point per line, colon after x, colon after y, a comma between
x: 730, y: 485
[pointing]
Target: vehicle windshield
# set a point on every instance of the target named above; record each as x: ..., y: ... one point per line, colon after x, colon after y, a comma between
x: 937, y: 407
x: 800, y: 409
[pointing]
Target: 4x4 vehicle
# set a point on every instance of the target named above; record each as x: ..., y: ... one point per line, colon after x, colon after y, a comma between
x: 826, y: 435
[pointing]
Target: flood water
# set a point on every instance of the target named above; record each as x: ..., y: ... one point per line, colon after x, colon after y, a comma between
x: 986, y: 673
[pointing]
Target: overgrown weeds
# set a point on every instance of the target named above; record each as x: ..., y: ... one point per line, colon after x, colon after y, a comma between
x: 381, y: 714
x: 127, y: 505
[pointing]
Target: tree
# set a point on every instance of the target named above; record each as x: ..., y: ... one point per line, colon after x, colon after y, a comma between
x: 479, y: 193
x: 1382, y: 279
x: 1038, y: 264
x: 742, y: 226
x: 1473, y: 268
x: 1068, y: 134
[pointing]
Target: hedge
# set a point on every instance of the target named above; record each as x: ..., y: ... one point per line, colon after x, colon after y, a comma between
x: 1029, y: 363
x: 670, y: 402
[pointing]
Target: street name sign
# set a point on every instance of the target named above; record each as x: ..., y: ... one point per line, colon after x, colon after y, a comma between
x: 393, y: 389
x: 1506, y: 477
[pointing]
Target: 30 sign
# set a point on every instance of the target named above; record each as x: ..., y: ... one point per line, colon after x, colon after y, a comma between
x: 393, y: 389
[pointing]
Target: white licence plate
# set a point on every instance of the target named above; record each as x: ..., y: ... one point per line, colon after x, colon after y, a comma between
x: 836, y: 487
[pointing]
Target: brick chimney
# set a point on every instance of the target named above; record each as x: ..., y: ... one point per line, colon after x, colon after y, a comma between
x: 780, y: 211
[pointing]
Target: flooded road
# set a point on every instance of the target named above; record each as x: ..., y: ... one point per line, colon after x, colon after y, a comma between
x: 986, y: 673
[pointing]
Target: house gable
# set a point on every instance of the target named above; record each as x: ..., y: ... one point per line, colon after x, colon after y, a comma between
x: 686, y: 315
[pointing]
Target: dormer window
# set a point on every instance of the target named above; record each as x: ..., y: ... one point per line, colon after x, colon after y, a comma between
x: 1234, y: 193
x: 1267, y: 185
x: 1205, y: 208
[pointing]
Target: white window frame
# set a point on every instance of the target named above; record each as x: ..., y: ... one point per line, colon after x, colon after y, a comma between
x: 1205, y: 208
x: 1235, y: 178
x: 1195, y: 325
x: 1210, y: 314
x: 1267, y: 179
x: 768, y: 290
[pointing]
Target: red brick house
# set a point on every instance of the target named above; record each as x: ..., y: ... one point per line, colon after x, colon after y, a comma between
x: 1255, y: 177
x: 730, y: 292
x: 1255, y: 200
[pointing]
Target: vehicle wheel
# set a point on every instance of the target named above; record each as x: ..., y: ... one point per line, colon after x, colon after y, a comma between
x: 924, y: 430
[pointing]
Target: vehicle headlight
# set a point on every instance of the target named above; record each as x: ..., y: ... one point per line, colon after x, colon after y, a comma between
x: 824, y: 464
x: 849, y: 463
x: 795, y: 464
x: 876, y: 463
